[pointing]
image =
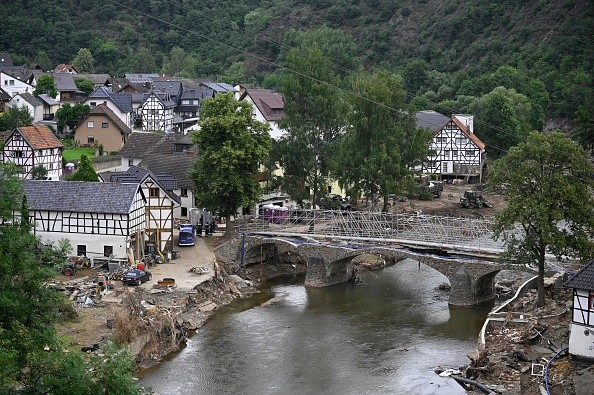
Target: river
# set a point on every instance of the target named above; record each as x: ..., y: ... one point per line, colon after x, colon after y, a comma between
x: 384, y: 336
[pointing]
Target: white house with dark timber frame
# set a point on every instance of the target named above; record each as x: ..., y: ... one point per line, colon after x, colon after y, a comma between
x: 31, y: 146
x: 160, y: 203
x: 100, y: 219
x: 581, y: 338
x: 456, y: 152
x: 156, y: 113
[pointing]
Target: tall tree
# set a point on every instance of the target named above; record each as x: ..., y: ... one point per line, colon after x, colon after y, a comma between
x: 502, y: 124
x: 84, y: 85
x: 85, y: 172
x: 32, y: 358
x: 13, y: 117
x: 46, y: 85
x: 70, y: 116
x: 232, y: 145
x: 84, y: 61
x: 381, y: 143
x: 548, y: 182
x: 314, y: 117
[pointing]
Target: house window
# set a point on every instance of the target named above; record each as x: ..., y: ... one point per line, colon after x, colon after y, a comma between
x: 130, y: 162
x: 184, y: 192
x: 104, y: 125
x: 454, y: 154
x: 93, y: 104
x: 40, y: 152
x: 81, y: 250
x: 17, y: 154
x: 90, y: 124
x: 469, y: 152
x: 154, y: 192
x: 446, y: 154
x: 11, y: 82
x: 91, y: 140
x: 440, y: 139
x: 107, y: 251
x: 432, y: 163
x: 461, y: 141
x: 184, y: 211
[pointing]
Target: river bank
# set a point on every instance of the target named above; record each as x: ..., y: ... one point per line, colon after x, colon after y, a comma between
x: 156, y: 325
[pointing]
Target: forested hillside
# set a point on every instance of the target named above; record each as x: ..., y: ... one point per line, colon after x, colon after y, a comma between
x: 445, y: 50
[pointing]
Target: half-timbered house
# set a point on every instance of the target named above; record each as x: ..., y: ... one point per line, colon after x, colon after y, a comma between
x: 31, y: 146
x: 581, y: 337
x: 98, y: 218
x: 455, y: 151
x: 156, y: 113
x: 160, y: 202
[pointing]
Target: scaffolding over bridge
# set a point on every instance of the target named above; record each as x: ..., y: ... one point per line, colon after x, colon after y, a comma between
x: 461, y: 234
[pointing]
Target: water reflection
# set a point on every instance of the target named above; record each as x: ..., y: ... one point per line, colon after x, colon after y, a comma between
x: 385, y: 336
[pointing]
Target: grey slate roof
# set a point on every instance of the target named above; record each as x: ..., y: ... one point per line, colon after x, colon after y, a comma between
x: 5, y: 59
x: 47, y: 99
x: 431, y: 120
x: 140, y: 144
x: 220, y: 87
x: 65, y: 82
x: 122, y: 100
x: 136, y: 175
x: 584, y: 279
x: 32, y: 100
x: 96, y: 79
x: 80, y: 196
x: 141, y: 78
x: 178, y: 165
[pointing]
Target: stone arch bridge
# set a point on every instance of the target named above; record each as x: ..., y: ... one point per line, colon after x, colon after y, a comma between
x: 472, y: 281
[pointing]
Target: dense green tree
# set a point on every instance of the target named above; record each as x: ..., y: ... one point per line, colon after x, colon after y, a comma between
x: 381, y: 143
x: 39, y: 172
x: 32, y: 359
x: 85, y: 171
x: 13, y: 117
x: 548, y: 181
x: 46, y: 85
x: 70, y: 116
x: 500, y: 127
x: 84, y: 85
x: 176, y: 62
x: 235, y: 74
x: 142, y: 61
x: 232, y: 145
x: 84, y: 61
x: 43, y: 60
x: 314, y: 116
x: 337, y: 47
x: 415, y: 75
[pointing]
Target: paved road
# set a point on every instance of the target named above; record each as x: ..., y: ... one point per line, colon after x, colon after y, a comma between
x: 197, y: 256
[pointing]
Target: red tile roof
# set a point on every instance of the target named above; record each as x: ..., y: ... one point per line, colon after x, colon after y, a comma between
x: 39, y: 137
x: 473, y: 137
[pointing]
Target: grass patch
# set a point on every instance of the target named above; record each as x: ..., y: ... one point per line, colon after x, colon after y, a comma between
x: 71, y: 154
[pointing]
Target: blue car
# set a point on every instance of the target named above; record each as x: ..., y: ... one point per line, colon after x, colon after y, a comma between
x: 136, y: 276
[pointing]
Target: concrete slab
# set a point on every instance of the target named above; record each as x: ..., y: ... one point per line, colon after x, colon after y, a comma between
x: 584, y: 382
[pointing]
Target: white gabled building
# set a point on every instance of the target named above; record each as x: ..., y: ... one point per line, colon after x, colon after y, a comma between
x: 456, y: 152
x: 31, y: 146
x: 13, y: 85
x: 30, y: 102
x: 100, y: 219
x: 581, y: 337
x: 268, y: 107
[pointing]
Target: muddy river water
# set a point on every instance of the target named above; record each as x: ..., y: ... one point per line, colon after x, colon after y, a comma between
x: 385, y: 336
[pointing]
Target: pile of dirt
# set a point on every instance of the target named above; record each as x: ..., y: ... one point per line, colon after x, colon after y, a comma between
x: 449, y: 203
x: 518, y: 349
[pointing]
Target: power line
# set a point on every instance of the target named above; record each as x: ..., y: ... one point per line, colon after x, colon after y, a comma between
x: 282, y: 67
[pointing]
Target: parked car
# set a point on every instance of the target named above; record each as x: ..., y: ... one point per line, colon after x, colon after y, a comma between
x: 136, y: 276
